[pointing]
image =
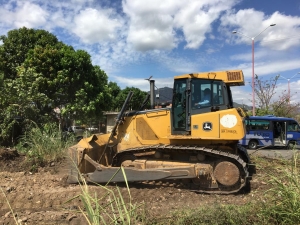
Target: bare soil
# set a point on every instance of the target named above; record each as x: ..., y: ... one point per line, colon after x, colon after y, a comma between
x: 43, y: 197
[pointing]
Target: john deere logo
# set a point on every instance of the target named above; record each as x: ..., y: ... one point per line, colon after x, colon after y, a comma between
x: 207, y: 126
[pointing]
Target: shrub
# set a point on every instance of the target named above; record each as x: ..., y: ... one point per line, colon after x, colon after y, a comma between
x: 44, y: 145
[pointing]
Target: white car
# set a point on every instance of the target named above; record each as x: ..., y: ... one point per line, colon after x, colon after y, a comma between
x: 78, y: 131
x: 92, y: 129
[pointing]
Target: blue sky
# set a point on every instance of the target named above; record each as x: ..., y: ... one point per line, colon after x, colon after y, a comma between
x: 132, y: 40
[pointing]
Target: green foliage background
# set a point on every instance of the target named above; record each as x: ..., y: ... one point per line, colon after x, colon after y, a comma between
x: 38, y: 74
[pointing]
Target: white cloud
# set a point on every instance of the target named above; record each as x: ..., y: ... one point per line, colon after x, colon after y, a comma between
x: 113, y: 57
x: 148, y: 29
x: 24, y: 14
x: 286, y: 27
x: 150, y: 39
x: 211, y: 50
x: 248, y: 56
x: 275, y: 47
x: 59, y: 20
x: 241, y: 95
x: 266, y: 68
x: 278, y: 66
x: 177, y: 64
x: 250, y: 23
x: 94, y: 26
x: 151, y: 24
x: 195, y: 18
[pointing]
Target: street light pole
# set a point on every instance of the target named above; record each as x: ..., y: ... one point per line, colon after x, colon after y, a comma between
x: 289, y: 90
x: 253, y: 86
x: 252, y: 38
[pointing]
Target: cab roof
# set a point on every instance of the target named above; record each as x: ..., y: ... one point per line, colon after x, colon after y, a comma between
x: 230, y: 77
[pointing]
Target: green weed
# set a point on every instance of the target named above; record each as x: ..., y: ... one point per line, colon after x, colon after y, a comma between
x: 110, y: 207
x: 283, y: 204
x: 43, y: 145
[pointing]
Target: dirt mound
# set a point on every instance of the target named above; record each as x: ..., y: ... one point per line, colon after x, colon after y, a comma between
x: 11, y: 160
x: 8, y: 154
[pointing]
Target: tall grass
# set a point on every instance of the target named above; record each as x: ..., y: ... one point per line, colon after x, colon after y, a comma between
x: 44, y: 144
x: 110, y: 207
x: 15, y: 216
x: 283, y: 204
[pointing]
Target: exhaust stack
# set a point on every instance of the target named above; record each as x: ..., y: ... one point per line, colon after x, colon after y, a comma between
x: 152, y: 93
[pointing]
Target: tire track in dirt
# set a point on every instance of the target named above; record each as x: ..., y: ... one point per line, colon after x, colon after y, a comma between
x: 38, y: 199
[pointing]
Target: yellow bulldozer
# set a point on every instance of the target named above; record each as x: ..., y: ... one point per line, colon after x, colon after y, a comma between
x: 194, y: 141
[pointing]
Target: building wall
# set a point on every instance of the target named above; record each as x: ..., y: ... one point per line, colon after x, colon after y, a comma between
x: 110, y: 120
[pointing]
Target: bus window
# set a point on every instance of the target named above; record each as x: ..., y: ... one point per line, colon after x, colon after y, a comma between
x: 293, y: 126
x: 258, y: 125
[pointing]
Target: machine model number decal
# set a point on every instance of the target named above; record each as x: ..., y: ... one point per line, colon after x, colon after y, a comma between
x: 207, y: 126
x: 228, y: 121
x: 228, y: 131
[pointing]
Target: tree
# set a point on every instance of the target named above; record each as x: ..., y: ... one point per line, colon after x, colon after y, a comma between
x: 41, y: 74
x: 264, y: 91
x: 283, y: 107
x: 1, y: 79
x: 136, y: 101
x: 70, y: 80
x: 22, y: 103
x: 17, y: 44
x: 114, y: 91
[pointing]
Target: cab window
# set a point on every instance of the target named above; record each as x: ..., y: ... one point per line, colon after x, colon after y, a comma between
x: 206, y: 93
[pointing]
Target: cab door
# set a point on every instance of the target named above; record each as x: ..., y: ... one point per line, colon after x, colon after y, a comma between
x: 180, y: 116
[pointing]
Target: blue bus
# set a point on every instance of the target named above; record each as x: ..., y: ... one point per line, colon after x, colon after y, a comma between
x: 271, y: 131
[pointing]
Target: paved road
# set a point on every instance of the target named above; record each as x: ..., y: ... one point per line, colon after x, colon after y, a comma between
x: 275, y: 153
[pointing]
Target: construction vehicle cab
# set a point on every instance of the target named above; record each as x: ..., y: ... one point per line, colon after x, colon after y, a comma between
x: 189, y: 96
